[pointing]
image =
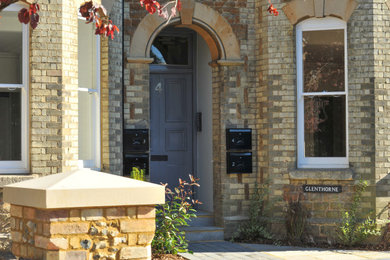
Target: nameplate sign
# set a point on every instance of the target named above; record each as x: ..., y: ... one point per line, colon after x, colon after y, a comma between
x: 322, y: 189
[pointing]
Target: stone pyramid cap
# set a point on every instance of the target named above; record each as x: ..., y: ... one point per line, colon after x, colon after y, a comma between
x: 83, y: 188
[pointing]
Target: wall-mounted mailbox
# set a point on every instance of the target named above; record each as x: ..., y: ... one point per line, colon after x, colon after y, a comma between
x: 136, y: 140
x: 239, y: 162
x: 141, y: 161
x: 238, y: 139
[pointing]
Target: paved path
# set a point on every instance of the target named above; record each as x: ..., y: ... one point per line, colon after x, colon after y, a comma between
x: 229, y: 251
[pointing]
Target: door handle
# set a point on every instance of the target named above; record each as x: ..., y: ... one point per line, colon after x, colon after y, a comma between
x: 159, y: 158
x: 198, y: 121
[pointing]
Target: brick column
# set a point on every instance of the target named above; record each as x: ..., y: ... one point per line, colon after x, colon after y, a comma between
x: 111, y: 96
x: 83, y: 215
x: 53, y: 89
x: 381, y: 96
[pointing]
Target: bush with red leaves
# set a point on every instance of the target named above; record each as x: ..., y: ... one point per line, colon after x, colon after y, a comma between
x: 97, y: 13
x: 271, y: 9
x: 30, y: 16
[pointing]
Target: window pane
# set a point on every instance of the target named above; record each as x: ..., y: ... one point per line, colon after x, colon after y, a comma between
x: 87, y: 65
x: 323, y: 60
x: 170, y: 50
x: 10, y: 48
x: 10, y: 127
x: 85, y: 126
x: 325, y: 126
x: 87, y: 55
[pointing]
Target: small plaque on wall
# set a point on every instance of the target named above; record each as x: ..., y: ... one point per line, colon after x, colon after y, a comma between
x: 322, y: 189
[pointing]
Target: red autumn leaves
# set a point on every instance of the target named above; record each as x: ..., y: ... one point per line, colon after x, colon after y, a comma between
x: 30, y: 16
x: 272, y: 10
x: 97, y: 13
x: 152, y: 6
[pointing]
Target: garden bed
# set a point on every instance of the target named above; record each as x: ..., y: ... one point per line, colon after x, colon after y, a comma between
x: 168, y: 257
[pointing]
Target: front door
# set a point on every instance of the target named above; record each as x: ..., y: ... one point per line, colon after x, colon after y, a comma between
x: 171, y: 127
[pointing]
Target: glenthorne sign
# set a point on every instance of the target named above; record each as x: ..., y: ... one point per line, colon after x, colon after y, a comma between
x: 322, y: 189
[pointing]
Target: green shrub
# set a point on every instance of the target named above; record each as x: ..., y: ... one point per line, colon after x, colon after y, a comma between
x: 177, y: 210
x: 354, y: 230
x: 256, y: 228
x: 137, y: 174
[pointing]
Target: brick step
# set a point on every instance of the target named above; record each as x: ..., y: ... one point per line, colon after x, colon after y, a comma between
x: 206, y: 233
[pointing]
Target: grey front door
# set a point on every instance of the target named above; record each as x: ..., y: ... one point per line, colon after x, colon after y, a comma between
x: 171, y: 127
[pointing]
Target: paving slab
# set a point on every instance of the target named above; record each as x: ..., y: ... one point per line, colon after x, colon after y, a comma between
x: 228, y: 250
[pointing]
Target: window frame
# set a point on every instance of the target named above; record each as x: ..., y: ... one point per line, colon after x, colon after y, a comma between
x: 319, y: 24
x: 21, y: 166
x: 95, y: 163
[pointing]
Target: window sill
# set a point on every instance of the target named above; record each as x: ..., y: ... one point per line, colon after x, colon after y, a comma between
x: 322, y: 174
x: 9, y: 179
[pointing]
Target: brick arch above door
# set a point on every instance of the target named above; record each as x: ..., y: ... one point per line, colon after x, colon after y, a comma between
x: 208, y: 23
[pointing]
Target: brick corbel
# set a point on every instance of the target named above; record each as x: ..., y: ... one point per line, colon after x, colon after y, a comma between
x: 187, y: 11
x: 140, y: 60
x: 298, y: 10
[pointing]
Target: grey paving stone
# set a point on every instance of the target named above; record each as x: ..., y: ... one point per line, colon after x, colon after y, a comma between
x: 240, y: 251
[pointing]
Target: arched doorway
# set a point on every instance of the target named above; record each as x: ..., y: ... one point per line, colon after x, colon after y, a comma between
x: 216, y: 37
x: 180, y: 111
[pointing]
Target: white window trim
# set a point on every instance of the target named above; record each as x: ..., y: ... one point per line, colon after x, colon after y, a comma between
x: 95, y: 163
x: 22, y: 166
x: 315, y: 24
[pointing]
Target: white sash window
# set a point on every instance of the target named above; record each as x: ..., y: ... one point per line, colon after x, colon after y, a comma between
x: 322, y: 93
x: 89, y: 96
x: 13, y: 93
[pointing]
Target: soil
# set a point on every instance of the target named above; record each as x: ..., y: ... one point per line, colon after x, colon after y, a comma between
x: 168, y: 257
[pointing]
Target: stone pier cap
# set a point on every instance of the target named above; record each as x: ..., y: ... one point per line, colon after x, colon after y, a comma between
x: 83, y: 188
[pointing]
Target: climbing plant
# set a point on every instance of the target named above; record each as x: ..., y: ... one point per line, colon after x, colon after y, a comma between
x: 97, y: 14
x: 94, y: 13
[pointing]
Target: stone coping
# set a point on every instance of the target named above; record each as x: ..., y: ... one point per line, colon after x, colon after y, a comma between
x: 12, y: 178
x: 322, y: 174
x: 83, y: 188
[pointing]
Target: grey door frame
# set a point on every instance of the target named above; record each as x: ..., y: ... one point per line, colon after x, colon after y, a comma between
x: 183, y: 69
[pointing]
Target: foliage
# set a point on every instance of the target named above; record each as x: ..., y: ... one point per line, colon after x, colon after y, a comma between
x: 95, y: 13
x: 177, y: 210
x: 272, y: 10
x: 30, y: 16
x: 296, y: 219
x: 98, y: 14
x: 138, y: 174
x: 353, y: 230
x: 153, y: 6
x: 255, y: 229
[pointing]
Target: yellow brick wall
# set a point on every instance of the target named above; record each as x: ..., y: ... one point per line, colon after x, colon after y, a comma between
x: 53, y: 89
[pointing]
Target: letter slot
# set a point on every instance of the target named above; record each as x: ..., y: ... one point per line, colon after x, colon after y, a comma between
x: 239, y: 139
x: 136, y: 140
x: 239, y: 162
